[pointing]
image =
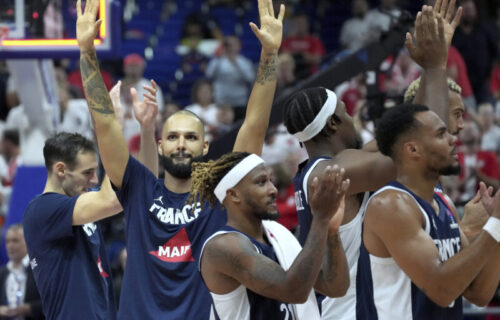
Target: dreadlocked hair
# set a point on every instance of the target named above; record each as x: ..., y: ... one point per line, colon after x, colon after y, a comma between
x: 412, y: 90
x: 206, y: 175
x: 302, y: 107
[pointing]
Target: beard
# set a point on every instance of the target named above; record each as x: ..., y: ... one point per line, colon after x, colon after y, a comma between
x: 451, y: 170
x: 179, y: 170
x: 261, y: 213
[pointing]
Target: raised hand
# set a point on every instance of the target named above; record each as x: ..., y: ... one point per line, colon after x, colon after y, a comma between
x: 327, y: 195
x: 114, y: 94
x: 445, y: 10
x: 271, y: 28
x: 491, y: 204
x: 428, y: 46
x: 86, y: 24
x: 146, y: 111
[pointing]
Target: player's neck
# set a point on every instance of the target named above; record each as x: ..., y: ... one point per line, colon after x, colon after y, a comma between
x: 321, y: 149
x: 175, y: 184
x: 250, y: 226
x: 420, y: 184
x: 51, y: 186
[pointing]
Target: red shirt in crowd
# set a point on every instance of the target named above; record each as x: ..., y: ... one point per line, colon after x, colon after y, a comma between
x: 287, y: 209
x: 495, y: 80
x: 455, y: 59
x: 307, y: 44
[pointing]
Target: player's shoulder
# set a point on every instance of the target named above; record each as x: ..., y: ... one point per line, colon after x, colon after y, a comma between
x: 391, y: 203
x: 226, y: 244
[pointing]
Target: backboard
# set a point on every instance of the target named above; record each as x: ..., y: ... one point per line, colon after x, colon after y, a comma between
x: 46, y: 29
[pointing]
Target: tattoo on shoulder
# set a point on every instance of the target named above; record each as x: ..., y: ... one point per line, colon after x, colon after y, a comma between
x: 267, y: 69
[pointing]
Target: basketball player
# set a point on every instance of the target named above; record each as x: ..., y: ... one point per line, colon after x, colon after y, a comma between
x: 414, y: 262
x: 65, y: 245
x: 163, y: 235
x: 320, y: 121
x: 249, y: 265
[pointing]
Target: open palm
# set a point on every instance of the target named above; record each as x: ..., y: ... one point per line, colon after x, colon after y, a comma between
x: 271, y: 28
x: 145, y: 111
x: 86, y: 24
x: 445, y: 10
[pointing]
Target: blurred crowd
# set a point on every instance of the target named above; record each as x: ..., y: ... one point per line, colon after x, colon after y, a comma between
x: 222, y: 76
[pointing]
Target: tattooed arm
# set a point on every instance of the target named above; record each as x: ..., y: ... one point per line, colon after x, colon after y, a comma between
x: 112, y: 146
x: 253, y: 130
x: 231, y: 259
x: 333, y: 279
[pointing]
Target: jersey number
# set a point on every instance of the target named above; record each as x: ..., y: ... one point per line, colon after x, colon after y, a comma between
x: 288, y: 311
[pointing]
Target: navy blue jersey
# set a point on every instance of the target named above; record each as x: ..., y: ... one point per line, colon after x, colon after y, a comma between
x: 69, y: 263
x: 246, y: 303
x: 386, y: 292
x: 300, y: 185
x: 163, y: 237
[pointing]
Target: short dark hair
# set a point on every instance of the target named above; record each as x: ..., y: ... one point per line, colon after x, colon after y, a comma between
x: 394, y: 123
x: 302, y: 107
x: 64, y: 146
x: 11, y: 135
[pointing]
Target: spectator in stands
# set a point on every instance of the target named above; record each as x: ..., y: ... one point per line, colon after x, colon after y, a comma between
x: 203, y: 103
x: 403, y: 73
x: 18, y: 292
x: 307, y: 49
x: 74, y: 113
x: 495, y: 81
x: 491, y: 132
x: 477, y: 165
x: 356, y: 32
x: 285, y: 199
x: 383, y: 17
x: 286, y: 72
x: 232, y: 75
x: 225, y: 118
x: 478, y: 48
x: 457, y: 71
x: 10, y: 150
x: 133, y: 68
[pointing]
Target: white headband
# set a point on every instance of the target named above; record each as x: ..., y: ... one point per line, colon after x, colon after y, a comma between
x: 235, y: 175
x: 319, y: 121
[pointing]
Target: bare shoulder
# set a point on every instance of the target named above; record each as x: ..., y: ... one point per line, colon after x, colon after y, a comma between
x: 225, y: 246
x: 392, y: 207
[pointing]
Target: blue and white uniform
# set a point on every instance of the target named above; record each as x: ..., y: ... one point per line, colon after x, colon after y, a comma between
x: 350, y: 234
x: 163, y: 237
x: 69, y: 263
x: 386, y: 292
x: 244, y: 304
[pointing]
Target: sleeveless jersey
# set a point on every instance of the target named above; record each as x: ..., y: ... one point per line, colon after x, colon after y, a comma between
x: 244, y: 304
x: 350, y: 234
x: 386, y: 292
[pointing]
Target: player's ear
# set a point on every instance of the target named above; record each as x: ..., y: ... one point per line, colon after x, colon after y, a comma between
x: 59, y: 168
x: 233, y: 195
x: 206, y: 146
x: 412, y: 149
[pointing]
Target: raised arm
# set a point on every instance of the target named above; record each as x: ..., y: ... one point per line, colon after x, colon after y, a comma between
x: 434, y: 29
x: 145, y: 112
x: 394, y: 221
x: 96, y: 205
x: 253, y: 130
x: 112, y: 146
x: 233, y: 256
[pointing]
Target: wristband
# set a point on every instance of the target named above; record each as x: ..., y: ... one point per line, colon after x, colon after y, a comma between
x: 492, y: 226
